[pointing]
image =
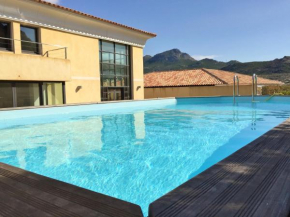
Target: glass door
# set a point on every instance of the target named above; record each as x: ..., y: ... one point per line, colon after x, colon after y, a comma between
x: 23, y: 94
x: 6, y: 95
x: 52, y: 93
x: 27, y: 94
x: 115, y: 94
x: 118, y: 94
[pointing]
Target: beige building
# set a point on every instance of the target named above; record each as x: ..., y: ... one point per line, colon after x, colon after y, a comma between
x: 51, y: 55
x: 198, y: 82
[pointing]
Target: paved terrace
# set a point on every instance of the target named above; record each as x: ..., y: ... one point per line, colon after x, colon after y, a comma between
x: 255, y: 181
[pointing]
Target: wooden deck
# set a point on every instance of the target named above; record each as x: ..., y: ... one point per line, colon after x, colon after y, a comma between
x: 23, y: 193
x: 254, y: 181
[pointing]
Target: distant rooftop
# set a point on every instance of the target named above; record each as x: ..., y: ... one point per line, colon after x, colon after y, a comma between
x: 200, y: 77
x: 91, y: 16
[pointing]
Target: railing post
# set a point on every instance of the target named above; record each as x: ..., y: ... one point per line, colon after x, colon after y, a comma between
x: 65, y: 52
x: 236, y: 79
x: 254, y: 86
x: 238, y: 86
x: 234, y: 92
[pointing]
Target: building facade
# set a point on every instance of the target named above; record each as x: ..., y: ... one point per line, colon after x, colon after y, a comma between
x: 51, y: 55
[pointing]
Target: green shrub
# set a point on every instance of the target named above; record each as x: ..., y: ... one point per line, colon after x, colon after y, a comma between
x: 283, y: 90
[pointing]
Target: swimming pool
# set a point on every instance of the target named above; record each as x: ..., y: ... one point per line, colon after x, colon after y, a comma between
x: 134, y: 151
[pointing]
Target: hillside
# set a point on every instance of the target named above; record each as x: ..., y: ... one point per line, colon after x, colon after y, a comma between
x: 174, y: 60
x: 278, y: 69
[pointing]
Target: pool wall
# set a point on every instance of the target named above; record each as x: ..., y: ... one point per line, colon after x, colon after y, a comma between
x: 14, y: 117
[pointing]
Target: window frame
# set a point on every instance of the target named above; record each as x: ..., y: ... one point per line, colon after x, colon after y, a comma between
x: 40, y: 86
x: 127, y: 76
x: 10, y: 44
x: 37, y: 42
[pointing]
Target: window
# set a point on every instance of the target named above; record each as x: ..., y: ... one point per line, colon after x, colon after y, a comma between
x: 27, y: 94
x: 5, y: 35
x: 23, y: 94
x: 52, y: 93
x: 29, y: 40
x: 6, y: 95
x: 115, y: 71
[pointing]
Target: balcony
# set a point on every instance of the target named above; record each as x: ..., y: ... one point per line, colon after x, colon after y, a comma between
x: 32, y: 61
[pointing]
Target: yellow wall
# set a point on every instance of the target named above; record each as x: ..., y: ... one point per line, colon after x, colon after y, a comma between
x: 83, y: 53
x: 25, y: 67
x: 195, y: 91
x: 16, y: 35
x: 81, y: 69
x: 138, y: 73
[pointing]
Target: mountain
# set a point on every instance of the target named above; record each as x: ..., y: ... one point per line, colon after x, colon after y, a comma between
x: 171, y: 56
x: 147, y: 57
x: 278, y: 69
x: 176, y: 60
x: 169, y: 60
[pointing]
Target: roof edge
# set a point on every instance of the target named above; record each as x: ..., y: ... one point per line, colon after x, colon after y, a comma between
x: 177, y: 70
x: 91, y: 16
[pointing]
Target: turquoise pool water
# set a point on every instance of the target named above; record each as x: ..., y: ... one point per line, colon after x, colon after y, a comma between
x: 134, y: 151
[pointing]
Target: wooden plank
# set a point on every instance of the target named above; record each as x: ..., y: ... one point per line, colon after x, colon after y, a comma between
x: 23, y: 193
x: 254, y: 181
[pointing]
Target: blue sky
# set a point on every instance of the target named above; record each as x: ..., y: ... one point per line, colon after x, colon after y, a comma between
x: 244, y: 30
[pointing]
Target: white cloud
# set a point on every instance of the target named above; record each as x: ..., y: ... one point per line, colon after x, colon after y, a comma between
x: 201, y: 57
x: 53, y: 1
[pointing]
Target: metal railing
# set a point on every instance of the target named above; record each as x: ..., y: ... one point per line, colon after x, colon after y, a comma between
x: 30, y: 47
x: 254, y: 86
x: 236, y: 80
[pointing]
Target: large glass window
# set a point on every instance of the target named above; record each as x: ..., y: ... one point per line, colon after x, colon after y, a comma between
x: 5, y: 35
x: 23, y: 94
x: 6, y: 95
x: 115, y: 71
x: 27, y: 94
x: 52, y: 93
x: 29, y: 38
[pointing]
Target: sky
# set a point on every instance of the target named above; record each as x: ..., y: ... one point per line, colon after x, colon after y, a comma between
x: 243, y: 30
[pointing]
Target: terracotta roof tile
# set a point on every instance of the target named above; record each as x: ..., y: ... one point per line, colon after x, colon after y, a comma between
x: 198, y: 77
x: 91, y: 16
x: 227, y: 77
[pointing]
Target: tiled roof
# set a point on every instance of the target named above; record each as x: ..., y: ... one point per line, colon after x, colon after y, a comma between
x: 227, y: 77
x: 195, y: 77
x: 198, y: 77
x: 91, y: 16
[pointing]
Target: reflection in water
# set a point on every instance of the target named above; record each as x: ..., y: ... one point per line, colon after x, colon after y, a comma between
x: 254, y: 119
x: 235, y: 115
x: 63, y: 141
x: 139, y: 124
x: 21, y: 158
